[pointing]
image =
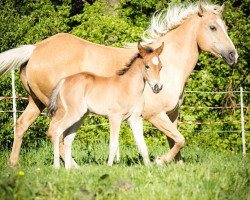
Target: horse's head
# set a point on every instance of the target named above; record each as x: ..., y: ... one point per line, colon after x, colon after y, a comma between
x: 212, y: 35
x: 152, y: 66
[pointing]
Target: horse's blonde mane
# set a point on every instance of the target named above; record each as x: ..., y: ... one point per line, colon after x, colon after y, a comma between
x: 166, y: 20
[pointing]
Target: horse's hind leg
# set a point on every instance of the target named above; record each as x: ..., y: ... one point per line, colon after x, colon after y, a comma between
x: 29, y: 115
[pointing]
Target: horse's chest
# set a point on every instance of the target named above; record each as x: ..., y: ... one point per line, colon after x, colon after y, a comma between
x: 166, y: 100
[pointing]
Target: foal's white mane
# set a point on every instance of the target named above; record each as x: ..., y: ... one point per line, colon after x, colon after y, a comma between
x: 166, y: 20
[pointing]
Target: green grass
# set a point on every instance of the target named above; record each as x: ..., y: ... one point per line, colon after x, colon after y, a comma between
x: 206, y: 175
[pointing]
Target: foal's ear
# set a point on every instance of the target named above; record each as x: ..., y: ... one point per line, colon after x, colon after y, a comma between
x: 142, y: 50
x: 201, y: 8
x: 159, y: 49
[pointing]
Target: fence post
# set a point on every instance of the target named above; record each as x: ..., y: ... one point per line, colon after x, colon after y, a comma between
x: 242, y: 122
x: 13, y: 100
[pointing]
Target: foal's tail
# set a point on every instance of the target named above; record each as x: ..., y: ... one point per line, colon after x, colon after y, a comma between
x: 53, y: 103
x: 13, y: 58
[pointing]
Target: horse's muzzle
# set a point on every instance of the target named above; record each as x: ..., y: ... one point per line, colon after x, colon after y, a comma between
x: 157, y: 88
x: 230, y: 57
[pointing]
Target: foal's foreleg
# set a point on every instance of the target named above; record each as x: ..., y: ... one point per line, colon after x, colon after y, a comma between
x: 115, y: 123
x: 163, y: 123
x: 136, y: 125
x: 29, y: 115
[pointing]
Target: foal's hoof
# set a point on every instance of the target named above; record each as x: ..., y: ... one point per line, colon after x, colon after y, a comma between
x: 12, y: 164
x: 74, y: 165
x: 56, y: 166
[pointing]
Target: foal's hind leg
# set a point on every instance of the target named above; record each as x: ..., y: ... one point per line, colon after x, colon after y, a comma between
x: 58, y: 127
x: 29, y: 115
x: 68, y: 140
x: 61, y: 145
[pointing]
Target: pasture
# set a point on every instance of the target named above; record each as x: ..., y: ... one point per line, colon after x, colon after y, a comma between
x: 206, y: 174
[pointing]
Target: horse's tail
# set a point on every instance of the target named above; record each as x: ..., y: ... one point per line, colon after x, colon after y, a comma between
x: 13, y: 58
x: 53, y: 100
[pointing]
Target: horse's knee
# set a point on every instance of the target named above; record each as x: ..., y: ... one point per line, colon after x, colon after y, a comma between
x: 20, y: 129
x: 180, y: 142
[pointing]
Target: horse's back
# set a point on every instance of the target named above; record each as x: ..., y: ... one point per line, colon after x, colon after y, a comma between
x: 63, y: 55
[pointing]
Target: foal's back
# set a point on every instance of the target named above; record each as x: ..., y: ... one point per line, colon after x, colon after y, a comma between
x: 100, y: 95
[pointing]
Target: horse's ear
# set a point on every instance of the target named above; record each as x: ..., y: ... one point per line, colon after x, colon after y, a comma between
x: 221, y: 9
x: 141, y: 49
x: 201, y: 8
x: 159, y: 49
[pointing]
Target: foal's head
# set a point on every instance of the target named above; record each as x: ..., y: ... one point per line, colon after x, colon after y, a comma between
x: 151, y: 66
x: 212, y: 34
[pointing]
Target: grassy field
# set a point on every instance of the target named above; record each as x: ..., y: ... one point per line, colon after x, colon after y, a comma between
x: 205, y: 175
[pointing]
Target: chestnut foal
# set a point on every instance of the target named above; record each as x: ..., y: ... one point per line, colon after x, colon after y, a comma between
x: 119, y: 97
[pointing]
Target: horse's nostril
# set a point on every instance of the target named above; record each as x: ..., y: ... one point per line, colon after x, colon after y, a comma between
x: 232, y: 55
x: 156, y: 87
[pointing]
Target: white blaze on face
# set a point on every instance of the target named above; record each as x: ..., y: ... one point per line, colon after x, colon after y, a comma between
x: 220, y: 22
x: 155, y: 60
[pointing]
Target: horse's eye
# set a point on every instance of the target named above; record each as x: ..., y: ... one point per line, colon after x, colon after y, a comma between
x: 147, y: 66
x: 212, y: 27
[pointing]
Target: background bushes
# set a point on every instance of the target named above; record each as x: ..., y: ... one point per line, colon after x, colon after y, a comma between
x: 114, y: 23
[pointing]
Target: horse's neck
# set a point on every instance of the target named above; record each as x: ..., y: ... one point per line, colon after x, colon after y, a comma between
x: 181, y: 51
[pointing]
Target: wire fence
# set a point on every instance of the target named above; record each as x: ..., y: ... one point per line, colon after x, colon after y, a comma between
x: 240, y: 106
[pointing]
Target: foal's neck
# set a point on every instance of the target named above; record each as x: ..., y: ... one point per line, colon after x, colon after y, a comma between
x: 133, y: 78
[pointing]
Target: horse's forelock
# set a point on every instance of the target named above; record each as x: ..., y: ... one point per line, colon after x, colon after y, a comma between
x: 166, y: 20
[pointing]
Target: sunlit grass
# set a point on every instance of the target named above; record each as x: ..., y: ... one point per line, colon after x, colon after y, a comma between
x: 206, y: 175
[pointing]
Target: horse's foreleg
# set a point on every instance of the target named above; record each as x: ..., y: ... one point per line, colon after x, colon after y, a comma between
x: 29, y: 115
x: 136, y: 125
x: 163, y: 123
x: 174, y: 118
x: 115, y: 123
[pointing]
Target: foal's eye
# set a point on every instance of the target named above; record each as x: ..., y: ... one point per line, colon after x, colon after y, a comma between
x: 147, y: 66
x: 212, y: 27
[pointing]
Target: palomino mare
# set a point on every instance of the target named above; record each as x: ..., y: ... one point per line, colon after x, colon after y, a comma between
x: 119, y: 97
x: 186, y: 29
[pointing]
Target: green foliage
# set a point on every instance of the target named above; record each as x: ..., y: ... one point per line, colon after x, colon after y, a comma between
x: 105, y: 28
x: 32, y: 21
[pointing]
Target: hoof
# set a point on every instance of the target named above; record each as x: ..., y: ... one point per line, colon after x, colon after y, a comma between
x: 12, y: 165
x: 74, y: 165
x: 159, y: 161
x: 56, y: 166
x: 181, y: 162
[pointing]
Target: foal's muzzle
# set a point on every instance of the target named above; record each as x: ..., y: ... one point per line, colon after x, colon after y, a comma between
x: 157, y: 88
